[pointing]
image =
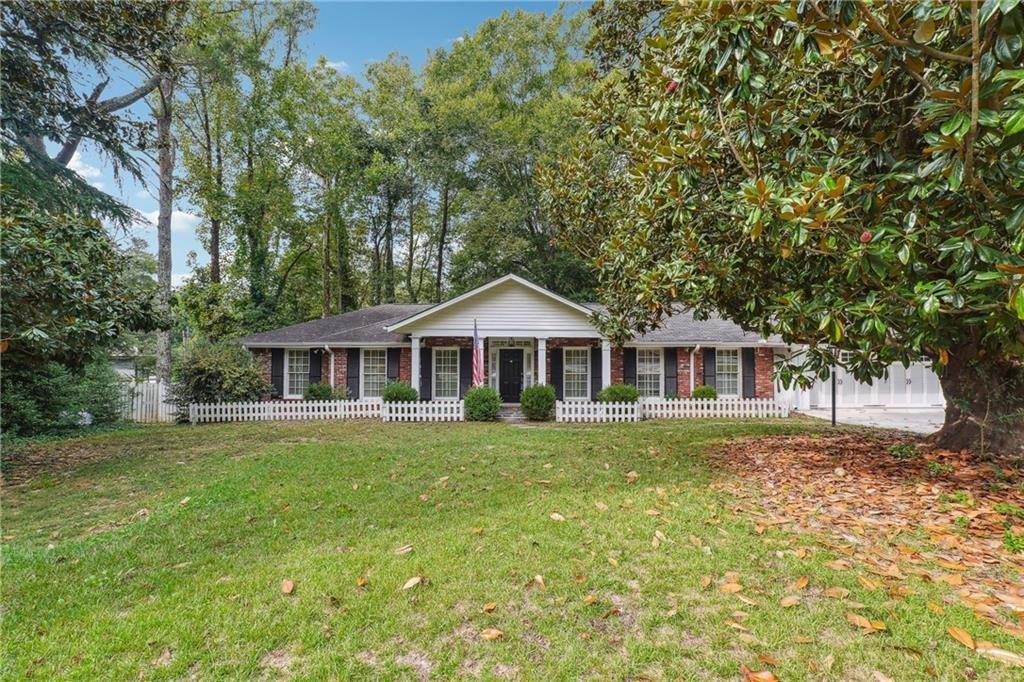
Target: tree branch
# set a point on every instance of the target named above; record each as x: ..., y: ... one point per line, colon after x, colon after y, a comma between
x: 972, y: 133
x: 728, y: 139
x: 876, y: 26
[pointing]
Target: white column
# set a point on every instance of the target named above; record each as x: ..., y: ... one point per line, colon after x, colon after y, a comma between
x: 606, y: 363
x: 542, y: 361
x: 414, y: 365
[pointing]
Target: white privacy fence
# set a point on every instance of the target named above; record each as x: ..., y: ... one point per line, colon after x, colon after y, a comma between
x: 424, y: 411
x: 696, y: 408
x: 147, y: 402
x: 199, y: 413
x: 571, y: 411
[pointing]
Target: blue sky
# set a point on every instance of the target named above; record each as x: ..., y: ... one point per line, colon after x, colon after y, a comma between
x: 348, y: 34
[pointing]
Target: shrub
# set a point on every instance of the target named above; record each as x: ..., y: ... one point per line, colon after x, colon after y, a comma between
x: 215, y: 373
x: 619, y: 393
x: 538, y: 402
x: 399, y: 392
x: 341, y: 393
x: 704, y: 392
x: 903, y: 451
x: 482, y: 404
x: 318, y: 391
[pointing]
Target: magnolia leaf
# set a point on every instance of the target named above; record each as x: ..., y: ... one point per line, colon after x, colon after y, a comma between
x: 925, y: 32
x: 404, y: 549
x: 961, y: 636
x: 489, y: 607
x: 555, y: 516
x: 287, y: 586
x: 994, y: 653
x: 789, y: 601
x: 730, y: 588
x: 491, y: 634
x: 412, y: 582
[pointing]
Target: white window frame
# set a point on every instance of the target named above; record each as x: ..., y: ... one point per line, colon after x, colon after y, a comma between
x: 433, y: 372
x: 362, y: 372
x: 739, y: 371
x: 661, y: 372
x: 565, y: 367
x: 288, y: 393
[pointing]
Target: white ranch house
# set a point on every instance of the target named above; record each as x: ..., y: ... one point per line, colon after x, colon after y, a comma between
x: 534, y: 336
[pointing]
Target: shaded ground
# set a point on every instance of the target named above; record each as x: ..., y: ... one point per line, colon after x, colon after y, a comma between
x: 417, y: 551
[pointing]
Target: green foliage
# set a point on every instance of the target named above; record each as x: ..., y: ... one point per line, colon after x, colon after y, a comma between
x: 207, y: 372
x: 318, y: 391
x: 399, y: 392
x: 619, y: 393
x: 482, y: 404
x: 704, y: 392
x: 538, y: 402
x: 69, y: 292
x: 1013, y: 542
x: 936, y: 469
x: 758, y: 160
x: 1010, y: 509
x: 904, y: 451
x: 49, y: 398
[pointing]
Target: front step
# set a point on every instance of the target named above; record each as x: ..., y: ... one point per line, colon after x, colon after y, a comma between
x: 511, y: 413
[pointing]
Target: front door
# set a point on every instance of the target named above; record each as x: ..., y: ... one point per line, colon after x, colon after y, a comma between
x: 510, y: 374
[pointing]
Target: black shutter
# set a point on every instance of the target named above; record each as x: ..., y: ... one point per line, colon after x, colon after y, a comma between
x: 709, y: 368
x: 629, y: 366
x: 556, y: 371
x: 748, y: 373
x: 394, y: 362
x: 353, y: 373
x: 426, y: 372
x: 277, y: 372
x: 595, y: 372
x: 316, y: 356
x: 671, y: 369
x: 465, y: 370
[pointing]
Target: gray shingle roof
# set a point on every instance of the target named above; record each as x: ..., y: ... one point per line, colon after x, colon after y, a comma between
x: 681, y: 328
x: 359, y: 326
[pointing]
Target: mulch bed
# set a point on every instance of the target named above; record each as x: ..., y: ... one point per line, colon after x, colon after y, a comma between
x: 872, y: 508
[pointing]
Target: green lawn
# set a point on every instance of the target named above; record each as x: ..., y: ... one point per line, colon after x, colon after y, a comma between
x: 162, y: 552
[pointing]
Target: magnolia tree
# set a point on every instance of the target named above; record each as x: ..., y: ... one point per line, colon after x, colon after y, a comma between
x: 844, y: 174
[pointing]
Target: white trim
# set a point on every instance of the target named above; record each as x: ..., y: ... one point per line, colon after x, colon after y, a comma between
x: 606, y: 363
x: 397, y: 327
x: 711, y: 344
x: 362, y: 372
x: 566, y: 398
x: 693, y: 368
x: 661, y: 373
x: 318, y: 344
x: 496, y: 345
x: 285, y: 392
x: 739, y: 373
x: 433, y: 372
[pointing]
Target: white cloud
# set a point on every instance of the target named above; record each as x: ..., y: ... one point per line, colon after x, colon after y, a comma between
x: 179, y: 278
x: 339, y: 66
x: 180, y: 220
x: 82, y: 168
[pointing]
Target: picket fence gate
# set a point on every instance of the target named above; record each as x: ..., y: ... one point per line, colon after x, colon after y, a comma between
x: 424, y: 411
x: 697, y: 408
x: 281, y: 410
x: 147, y: 402
x: 585, y: 411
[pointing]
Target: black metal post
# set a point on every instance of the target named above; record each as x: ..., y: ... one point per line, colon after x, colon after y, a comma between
x: 833, y: 395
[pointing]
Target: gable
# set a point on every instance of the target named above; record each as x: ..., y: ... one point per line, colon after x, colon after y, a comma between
x: 508, y: 307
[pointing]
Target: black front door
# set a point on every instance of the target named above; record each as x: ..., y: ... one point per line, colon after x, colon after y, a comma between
x: 510, y: 374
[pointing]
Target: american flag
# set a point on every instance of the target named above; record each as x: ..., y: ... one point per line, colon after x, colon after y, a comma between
x: 478, y: 358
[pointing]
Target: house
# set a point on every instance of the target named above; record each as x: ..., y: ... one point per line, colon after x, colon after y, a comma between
x: 530, y: 336
x: 534, y: 336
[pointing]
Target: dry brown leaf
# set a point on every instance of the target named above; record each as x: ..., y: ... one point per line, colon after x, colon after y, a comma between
x: 789, y: 601
x: 994, y: 653
x: 601, y: 505
x: 838, y: 565
x: 758, y: 676
x: 164, y: 658
x: 954, y: 579
x: 404, y: 549
x: 932, y: 606
x: 705, y: 582
x: 863, y: 623
x: 489, y: 607
x: 868, y: 583
x: 555, y: 516
x: 800, y: 639
x: 837, y: 592
x: 492, y: 634
x: 800, y: 583
x: 631, y: 477
x: 961, y: 636
x: 412, y: 582
x: 361, y: 581
x: 537, y: 580
x: 590, y: 599
x: 730, y: 588
x: 287, y: 586
x: 767, y: 660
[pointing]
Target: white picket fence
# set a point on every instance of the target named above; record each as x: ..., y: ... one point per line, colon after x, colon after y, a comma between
x: 279, y: 410
x: 147, y: 402
x: 572, y: 411
x: 425, y: 411
x: 696, y: 408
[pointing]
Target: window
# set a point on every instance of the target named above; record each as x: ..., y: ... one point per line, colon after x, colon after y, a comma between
x: 576, y: 375
x: 446, y: 373
x: 298, y: 373
x: 727, y: 373
x: 375, y: 372
x: 648, y: 372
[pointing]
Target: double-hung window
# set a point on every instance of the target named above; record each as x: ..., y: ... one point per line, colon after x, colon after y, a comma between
x: 727, y: 373
x: 446, y: 373
x: 375, y: 372
x: 298, y: 373
x: 649, y: 372
x: 576, y: 374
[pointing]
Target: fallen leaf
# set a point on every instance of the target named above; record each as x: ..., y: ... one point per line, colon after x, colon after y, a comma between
x: 860, y: 621
x: 537, y: 580
x: 184, y: 501
x: 632, y: 476
x: 800, y: 583
x: 838, y: 565
x: 489, y: 607
x: 555, y: 516
x: 767, y: 660
x: 961, y: 636
x: 361, y: 581
x: 601, y: 505
x: 412, y: 582
x: 491, y: 634
x: 705, y: 582
x: 730, y: 588
x: 789, y: 601
x: 404, y: 549
x: 954, y: 579
x: 287, y: 586
x: 800, y: 639
x: 837, y: 592
x: 164, y: 658
x: 759, y: 676
x: 590, y: 599
x: 868, y: 583
x: 932, y: 606
x: 994, y: 653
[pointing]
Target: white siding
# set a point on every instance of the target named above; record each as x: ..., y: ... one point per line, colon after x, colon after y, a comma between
x: 508, y: 309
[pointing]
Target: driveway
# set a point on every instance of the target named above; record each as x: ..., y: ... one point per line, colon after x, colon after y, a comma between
x: 923, y: 420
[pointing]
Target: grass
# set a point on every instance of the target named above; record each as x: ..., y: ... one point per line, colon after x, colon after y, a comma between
x: 160, y: 553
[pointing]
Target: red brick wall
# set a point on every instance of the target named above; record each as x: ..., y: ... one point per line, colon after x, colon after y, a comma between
x: 683, y: 372
x: 764, y: 359
x: 562, y: 342
x: 698, y: 368
x: 616, y: 365
x: 405, y: 365
x: 340, y: 367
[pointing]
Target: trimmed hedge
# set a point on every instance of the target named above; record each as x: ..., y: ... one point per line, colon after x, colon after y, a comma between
x: 399, y: 392
x: 482, y: 404
x: 619, y: 393
x: 318, y: 391
x: 704, y: 392
x: 538, y: 402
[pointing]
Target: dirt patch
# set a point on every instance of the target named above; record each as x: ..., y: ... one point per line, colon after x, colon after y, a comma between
x: 888, y: 515
x: 368, y: 658
x: 417, y: 660
x: 505, y: 672
x: 278, y: 659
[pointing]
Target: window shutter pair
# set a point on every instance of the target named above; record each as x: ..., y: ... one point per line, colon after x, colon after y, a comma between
x: 316, y: 356
x: 671, y: 371
x: 465, y: 370
x: 709, y: 378
x: 556, y: 372
x: 394, y: 363
x: 426, y: 372
x: 629, y: 366
x: 595, y: 372
x: 749, y: 375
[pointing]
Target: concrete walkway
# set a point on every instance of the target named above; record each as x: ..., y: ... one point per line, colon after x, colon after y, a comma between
x: 922, y: 420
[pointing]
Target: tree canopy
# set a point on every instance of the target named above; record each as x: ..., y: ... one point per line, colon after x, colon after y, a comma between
x: 848, y: 175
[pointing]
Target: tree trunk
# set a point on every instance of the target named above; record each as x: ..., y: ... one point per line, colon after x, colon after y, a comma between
x: 442, y: 237
x: 389, y: 251
x: 325, y: 266
x: 165, y: 152
x: 413, y: 292
x: 215, y: 221
x: 346, y: 287
x: 984, y: 403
